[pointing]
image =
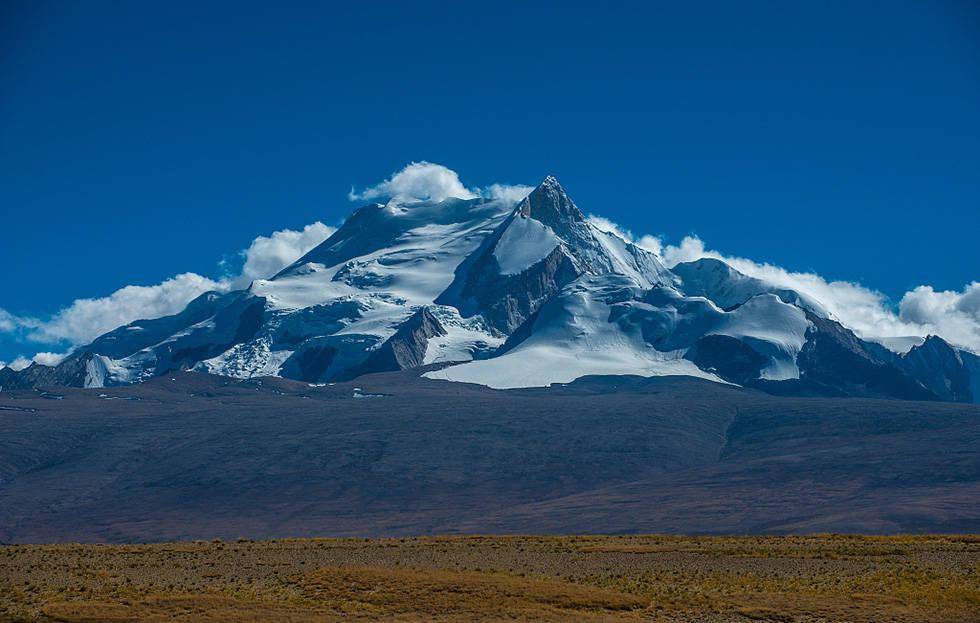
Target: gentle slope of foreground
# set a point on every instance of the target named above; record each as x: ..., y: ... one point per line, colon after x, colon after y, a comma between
x: 199, y: 457
x: 627, y: 578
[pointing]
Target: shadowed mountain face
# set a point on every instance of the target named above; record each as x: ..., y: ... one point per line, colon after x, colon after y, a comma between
x: 514, y: 294
x: 197, y: 456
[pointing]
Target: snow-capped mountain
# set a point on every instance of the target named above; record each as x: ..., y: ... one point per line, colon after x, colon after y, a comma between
x: 511, y: 295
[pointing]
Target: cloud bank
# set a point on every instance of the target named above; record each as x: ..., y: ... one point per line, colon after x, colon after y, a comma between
x: 85, y: 319
x: 954, y: 316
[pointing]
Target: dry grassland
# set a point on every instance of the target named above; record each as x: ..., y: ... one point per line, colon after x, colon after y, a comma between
x: 641, y: 578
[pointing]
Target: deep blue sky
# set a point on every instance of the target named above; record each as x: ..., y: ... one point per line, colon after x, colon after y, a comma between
x: 139, y: 140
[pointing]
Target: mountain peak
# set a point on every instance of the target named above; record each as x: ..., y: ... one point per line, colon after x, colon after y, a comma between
x: 934, y: 340
x: 550, y: 204
x: 551, y: 180
x: 936, y: 345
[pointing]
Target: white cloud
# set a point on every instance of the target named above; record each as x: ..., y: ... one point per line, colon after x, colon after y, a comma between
x: 267, y: 255
x: 85, y: 319
x: 650, y: 243
x: 507, y: 192
x: 8, y: 322
x: 19, y: 363
x: 43, y: 358
x: 954, y: 316
x: 418, y: 181
x: 424, y: 181
x: 50, y: 359
x: 923, y: 311
x: 690, y: 249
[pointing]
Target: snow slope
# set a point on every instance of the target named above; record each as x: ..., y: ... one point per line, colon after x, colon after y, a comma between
x: 508, y: 294
x: 572, y: 337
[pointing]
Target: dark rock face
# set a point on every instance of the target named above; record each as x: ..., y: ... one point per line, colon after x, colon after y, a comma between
x: 549, y: 204
x: 406, y: 348
x: 9, y: 378
x: 730, y: 358
x: 312, y: 363
x: 69, y: 373
x: 941, y: 368
x: 329, y: 358
x: 317, y: 320
x: 835, y: 358
x: 972, y: 364
x: 507, y: 301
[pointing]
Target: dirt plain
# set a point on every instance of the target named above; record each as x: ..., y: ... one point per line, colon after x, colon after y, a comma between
x: 489, y: 578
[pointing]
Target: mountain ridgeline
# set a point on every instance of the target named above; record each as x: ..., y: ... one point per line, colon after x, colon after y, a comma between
x: 510, y: 295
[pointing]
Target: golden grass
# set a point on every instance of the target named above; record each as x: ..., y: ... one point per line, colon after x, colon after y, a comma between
x: 466, y: 595
x: 486, y: 578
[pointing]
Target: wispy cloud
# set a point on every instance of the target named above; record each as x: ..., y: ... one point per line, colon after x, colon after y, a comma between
x: 8, y: 321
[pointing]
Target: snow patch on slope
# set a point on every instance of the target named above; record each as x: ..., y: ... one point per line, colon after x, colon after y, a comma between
x: 247, y: 360
x: 899, y: 345
x: 773, y: 329
x: 572, y: 338
x: 630, y: 260
x: 466, y: 338
x: 524, y: 243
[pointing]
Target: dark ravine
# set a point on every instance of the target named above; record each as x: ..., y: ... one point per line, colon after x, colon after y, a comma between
x: 202, y: 457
